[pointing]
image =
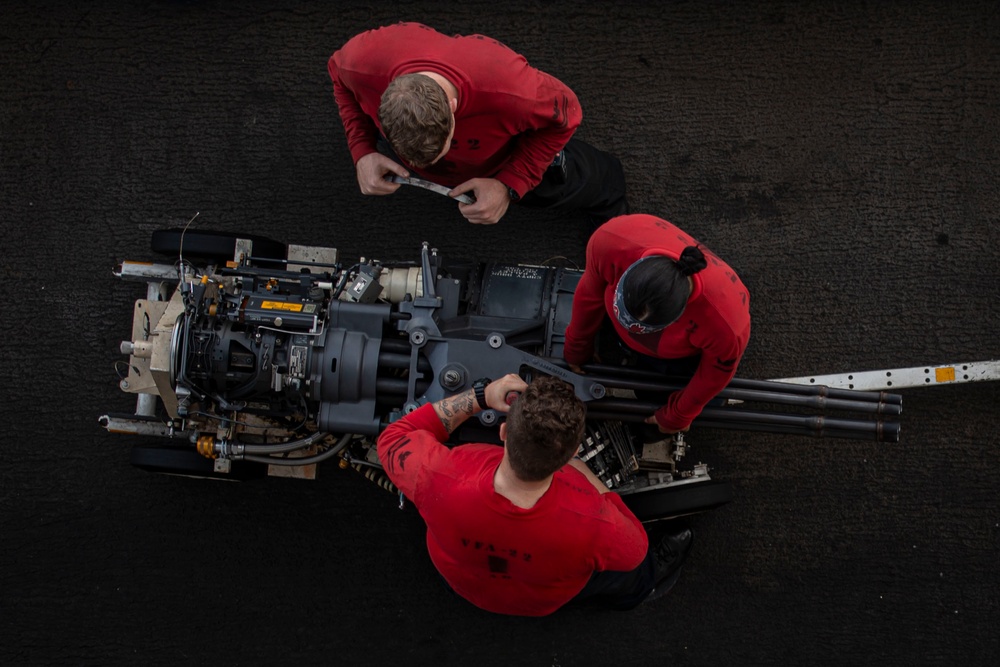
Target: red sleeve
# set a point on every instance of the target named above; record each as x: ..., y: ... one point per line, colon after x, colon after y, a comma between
x: 360, y: 129
x: 588, y: 304
x: 550, y: 116
x: 721, y: 351
x: 407, y: 446
x: 624, y: 547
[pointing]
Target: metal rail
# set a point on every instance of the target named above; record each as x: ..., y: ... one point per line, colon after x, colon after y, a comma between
x: 902, y: 378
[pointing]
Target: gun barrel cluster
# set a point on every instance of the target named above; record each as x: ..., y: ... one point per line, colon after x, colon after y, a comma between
x: 867, y: 415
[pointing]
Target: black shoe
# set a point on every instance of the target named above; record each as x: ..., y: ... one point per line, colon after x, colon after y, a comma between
x: 664, y: 586
x: 670, y: 554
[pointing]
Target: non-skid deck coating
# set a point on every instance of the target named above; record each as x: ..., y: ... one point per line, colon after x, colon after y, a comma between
x: 843, y: 157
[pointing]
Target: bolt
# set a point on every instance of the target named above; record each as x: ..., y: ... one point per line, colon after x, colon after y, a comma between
x: 495, y: 341
x: 451, y: 378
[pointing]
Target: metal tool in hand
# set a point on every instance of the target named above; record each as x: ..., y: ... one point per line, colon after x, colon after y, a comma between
x: 429, y: 185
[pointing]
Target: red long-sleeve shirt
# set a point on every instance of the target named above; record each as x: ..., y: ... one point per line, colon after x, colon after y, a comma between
x: 511, y: 120
x: 500, y: 557
x: 715, y: 322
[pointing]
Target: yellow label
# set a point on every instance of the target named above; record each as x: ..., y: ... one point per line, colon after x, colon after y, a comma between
x: 281, y: 305
x: 944, y: 374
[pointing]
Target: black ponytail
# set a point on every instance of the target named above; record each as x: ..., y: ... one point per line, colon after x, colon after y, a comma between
x: 656, y: 289
x: 692, y: 261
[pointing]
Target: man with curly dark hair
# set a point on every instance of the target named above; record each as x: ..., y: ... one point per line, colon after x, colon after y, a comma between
x: 526, y: 528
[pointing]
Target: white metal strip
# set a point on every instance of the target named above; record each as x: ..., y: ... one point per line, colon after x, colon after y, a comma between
x: 902, y: 378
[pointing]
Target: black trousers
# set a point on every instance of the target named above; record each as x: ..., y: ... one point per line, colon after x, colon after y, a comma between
x: 582, y: 178
x: 620, y: 590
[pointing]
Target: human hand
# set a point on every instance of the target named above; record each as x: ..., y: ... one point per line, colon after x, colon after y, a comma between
x: 372, y: 170
x: 578, y: 368
x: 491, y: 202
x: 652, y: 420
x: 496, y: 391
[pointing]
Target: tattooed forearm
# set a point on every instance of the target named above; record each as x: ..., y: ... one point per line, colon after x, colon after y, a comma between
x: 456, y: 409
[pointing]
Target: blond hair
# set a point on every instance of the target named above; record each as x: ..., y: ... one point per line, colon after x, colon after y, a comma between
x: 416, y: 118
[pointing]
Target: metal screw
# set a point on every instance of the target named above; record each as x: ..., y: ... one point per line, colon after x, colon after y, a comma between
x: 495, y: 341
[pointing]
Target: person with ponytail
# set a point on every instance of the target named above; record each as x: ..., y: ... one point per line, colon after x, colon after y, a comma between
x: 679, y: 308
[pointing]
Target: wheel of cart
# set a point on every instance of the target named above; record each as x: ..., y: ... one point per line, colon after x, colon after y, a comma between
x: 213, y: 245
x: 678, y: 500
x: 189, y: 463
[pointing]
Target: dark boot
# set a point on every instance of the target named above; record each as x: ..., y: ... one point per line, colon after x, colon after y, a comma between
x: 670, y: 554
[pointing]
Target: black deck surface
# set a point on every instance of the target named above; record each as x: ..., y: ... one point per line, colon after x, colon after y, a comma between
x: 843, y: 157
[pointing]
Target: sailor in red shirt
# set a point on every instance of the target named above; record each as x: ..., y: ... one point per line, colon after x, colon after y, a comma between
x: 694, y: 305
x: 523, y: 529
x: 469, y: 113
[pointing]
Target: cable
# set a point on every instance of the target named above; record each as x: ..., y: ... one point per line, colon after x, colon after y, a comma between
x: 305, y: 460
x: 283, y: 447
x: 574, y: 266
x: 229, y: 420
x: 343, y: 281
x: 362, y: 462
x: 180, y: 247
x: 126, y: 364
